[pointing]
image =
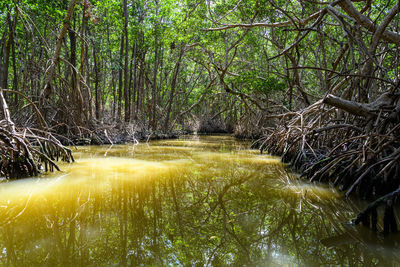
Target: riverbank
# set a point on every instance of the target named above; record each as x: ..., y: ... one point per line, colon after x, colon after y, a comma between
x: 352, y: 155
x: 131, y: 133
x: 121, y: 136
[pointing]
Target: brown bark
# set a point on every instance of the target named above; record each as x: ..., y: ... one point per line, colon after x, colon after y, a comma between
x: 154, y: 91
x: 267, y: 25
x: 364, y: 21
x: 96, y: 83
x: 6, y: 55
x: 120, y: 83
x: 346, y: 5
x: 82, y: 106
x: 133, y: 81
x: 367, y: 69
x: 126, y: 67
x: 141, y: 81
x: 296, y: 74
x: 47, y: 89
x: 173, y: 86
x: 72, y: 61
x: 351, y: 107
x: 14, y: 59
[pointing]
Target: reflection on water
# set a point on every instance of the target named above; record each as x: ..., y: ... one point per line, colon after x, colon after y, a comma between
x: 198, y: 201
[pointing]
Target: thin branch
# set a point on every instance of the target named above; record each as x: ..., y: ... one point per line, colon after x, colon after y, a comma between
x: 267, y: 25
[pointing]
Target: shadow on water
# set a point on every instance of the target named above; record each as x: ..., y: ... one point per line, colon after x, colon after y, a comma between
x: 198, y: 201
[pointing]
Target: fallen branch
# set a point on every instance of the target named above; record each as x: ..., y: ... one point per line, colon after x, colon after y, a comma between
x: 351, y: 107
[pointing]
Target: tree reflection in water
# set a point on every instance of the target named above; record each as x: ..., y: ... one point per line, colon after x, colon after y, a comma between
x: 198, y: 202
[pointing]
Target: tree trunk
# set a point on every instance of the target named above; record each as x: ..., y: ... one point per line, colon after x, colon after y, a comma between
x: 141, y: 83
x: 6, y: 54
x: 155, y: 71
x: 47, y: 89
x: 173, y: 86
x: 133, y: 81
x: 121, y: 53
x: 126, y: 67
x: 72, y: 61
x: 96, y: 83
x: 82, y: 106
x: 14, y: 60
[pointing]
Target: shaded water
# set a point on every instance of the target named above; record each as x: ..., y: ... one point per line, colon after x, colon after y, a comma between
x: 197, y: 201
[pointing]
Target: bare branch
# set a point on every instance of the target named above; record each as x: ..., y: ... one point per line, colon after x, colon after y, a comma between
x: 381, y: 29
x: 364, y: 21
x: 351, y: 107
x: 267, y: 25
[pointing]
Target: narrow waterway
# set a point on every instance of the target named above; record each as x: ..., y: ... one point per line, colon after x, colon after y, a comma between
x: 195, y: 201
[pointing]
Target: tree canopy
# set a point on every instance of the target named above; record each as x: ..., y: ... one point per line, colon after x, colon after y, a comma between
x: 163, y: 62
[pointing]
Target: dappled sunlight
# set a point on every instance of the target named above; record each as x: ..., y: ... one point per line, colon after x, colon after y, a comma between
x: 88, y: 178
x: 104, y: 168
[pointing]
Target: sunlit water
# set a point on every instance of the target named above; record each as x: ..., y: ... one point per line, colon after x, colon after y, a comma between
x: 196, y: 201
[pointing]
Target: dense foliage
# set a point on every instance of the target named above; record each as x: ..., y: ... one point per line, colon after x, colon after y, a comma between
x: 167, y: 64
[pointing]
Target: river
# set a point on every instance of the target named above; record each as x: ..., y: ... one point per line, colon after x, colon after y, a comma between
x: 194, y: 201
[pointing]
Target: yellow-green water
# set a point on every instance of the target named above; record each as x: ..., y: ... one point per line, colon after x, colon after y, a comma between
x: 196, y: 201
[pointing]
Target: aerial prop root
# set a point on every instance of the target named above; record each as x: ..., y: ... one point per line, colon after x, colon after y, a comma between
x: 358, y: 152
x: 23, y: 151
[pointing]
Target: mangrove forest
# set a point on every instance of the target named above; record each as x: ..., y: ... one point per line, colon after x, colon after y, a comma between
x: 199, y: 132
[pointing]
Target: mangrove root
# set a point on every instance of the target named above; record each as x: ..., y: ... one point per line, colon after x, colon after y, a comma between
x: 348, y: 144
x: 368, y: 216
x: 24, y: 151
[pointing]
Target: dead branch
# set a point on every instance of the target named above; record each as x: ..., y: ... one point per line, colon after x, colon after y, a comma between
x: 364, y: 21
x: 266, y: 25
x: 351, y: 107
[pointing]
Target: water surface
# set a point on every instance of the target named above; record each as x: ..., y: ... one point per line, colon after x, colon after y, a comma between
x: 195, y: 201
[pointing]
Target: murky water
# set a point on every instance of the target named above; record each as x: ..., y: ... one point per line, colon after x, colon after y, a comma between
x: 196, y: 201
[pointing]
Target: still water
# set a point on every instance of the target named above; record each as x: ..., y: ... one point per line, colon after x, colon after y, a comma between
x: 195, y: 201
